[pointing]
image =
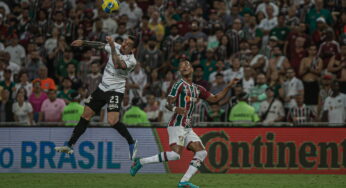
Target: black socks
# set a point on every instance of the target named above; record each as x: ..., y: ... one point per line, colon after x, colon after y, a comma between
x: 78, y: 131
x: 121, y: 128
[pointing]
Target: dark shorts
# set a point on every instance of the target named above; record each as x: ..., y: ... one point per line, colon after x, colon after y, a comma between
x: 99, y: 98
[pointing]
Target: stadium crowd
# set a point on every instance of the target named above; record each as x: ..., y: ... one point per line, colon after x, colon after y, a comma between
x: 289, y: 55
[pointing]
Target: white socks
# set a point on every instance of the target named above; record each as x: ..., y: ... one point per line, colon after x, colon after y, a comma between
x: 161, y: 157
x: 194, y: 165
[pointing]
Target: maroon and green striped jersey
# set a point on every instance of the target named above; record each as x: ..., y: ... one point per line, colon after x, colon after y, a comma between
x: 187, y: 96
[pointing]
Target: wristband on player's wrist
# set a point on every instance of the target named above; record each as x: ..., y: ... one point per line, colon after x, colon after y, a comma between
x: 173, y: 109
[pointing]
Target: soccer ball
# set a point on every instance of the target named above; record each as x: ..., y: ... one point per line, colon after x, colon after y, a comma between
x: 110, y: 6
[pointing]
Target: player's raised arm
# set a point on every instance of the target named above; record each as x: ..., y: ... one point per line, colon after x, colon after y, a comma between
x: 93, y: 44
x: 117, y: 62
x: 222, y: 94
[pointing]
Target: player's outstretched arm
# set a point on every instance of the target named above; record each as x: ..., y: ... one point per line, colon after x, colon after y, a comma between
x: 222, y: 94
x: 93, y: 44
x: 118, y: 64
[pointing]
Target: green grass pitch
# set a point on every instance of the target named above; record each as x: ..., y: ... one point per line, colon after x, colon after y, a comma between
x: 58, y: 180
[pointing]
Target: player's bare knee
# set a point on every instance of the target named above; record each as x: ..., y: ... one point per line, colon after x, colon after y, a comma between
x: 88, y: 113
x: 113, y: 120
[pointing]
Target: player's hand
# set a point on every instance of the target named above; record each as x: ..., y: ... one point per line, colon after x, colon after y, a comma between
x: 109, y: 39
x: 233, y: 82
x: 180, y: 111
x: 77, y: 43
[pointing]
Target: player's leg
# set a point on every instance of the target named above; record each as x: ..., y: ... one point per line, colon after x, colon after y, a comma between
x: 114, y: 103
x: 93, y: 104
x: 195, y: 145
x: 176, y: 142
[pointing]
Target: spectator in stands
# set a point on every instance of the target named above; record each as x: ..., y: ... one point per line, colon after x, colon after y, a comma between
x: 152, y: 57
x: 22, y: 110
x: 248, y: 81
x: 232, y: 99
x: 280, y: 31
x: 36, y: 98
x: 297, y: 53
x: 16, y: 51
x: 7, y: 83
x: 310, y: 70
x: 262, y: 7
x: 136, y: 82
x: 133, y: 12
x: 73, y: 111
x: 328, y: 48
x: 135, y: 115
x: 195, y: 32
x: 334, y: 108
x: 73, y: 76
x: 167, y: 83
x: 52, y: 108
x: 208, y: 64
x: 253, y: 34
x: 316, y: 12
x: 66, y: 91
x: 34, y: 62
x: 278, y: 62
x: 268, y: 23
x: 258, y: 61
x: 6, y: 104
x: 242, y: 111
x: 198, y: 77
x: 235, y: 72
x: 121, y: 32
x: 6, y: 58
x: 300, y: 113
x: 52, y: 43
x: 219, y: 84
x: 271, y: 110
x: 319, y: 34
x: 23, y: 83
x: 109, y: 25
x: 292, y: 87
x: 152, y: 108
x: 257, y: 93
x: 156, y: 26
x: 292, y: 19
x: 46, y: 83
x: 61, y: 67
x: 216, y: 113
x: 337, y: 66
x: 220, y: 69
x: 94, y: 78
x: 170, y: 40
x: 235, y: 35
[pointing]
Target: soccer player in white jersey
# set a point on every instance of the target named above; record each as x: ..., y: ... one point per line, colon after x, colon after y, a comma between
x: 334, y: 108
x: 110, y: 91
x: 182, y: 100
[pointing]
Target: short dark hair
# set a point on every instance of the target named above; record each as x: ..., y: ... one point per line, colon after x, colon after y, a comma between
x: 134, y: 38
x: 198, y: 66
x: 219, y: 74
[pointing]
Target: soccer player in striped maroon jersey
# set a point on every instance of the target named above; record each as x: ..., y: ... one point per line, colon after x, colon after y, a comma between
x: 182, y: 100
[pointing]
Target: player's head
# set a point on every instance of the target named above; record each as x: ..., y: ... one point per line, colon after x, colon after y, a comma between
x: 129, y: 45
x: 185, y: 68
x: 335, y: 87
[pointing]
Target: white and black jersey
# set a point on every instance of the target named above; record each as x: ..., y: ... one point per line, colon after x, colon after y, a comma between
x: 115, y: 79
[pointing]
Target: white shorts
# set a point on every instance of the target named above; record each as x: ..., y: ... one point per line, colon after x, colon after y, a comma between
x: 182, y: 136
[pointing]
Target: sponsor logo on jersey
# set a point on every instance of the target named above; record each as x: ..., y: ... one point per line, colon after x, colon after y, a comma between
x: 113, y: 106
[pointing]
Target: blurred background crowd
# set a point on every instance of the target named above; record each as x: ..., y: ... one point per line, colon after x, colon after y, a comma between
x: 289, y: 55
